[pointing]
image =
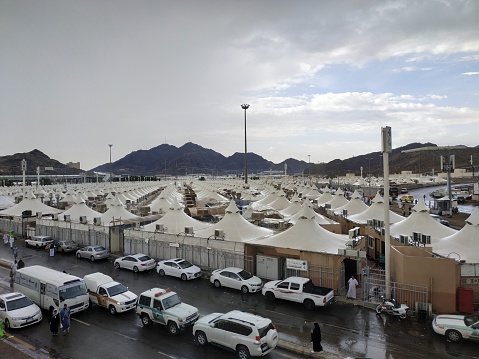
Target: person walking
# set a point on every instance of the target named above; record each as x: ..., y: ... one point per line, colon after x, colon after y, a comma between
x: 5, y: 238
x: 52, y: 250
x: 54, y: 322
x: 13, y: 269
x: 12, y: 240
x: 353, y: 283
x: 15, y: 252
x: 65, y: 319
x: 316, y: 338
x: 20, y: 264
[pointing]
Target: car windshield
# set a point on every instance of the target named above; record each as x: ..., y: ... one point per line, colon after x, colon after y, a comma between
x: 144, y: 258
x: 470, y: 320
x: 117, y: 289
x: 263, y: 331
x: 72, y: 291
x: 69, y: 243
x: 245, y: 275
x: 18, y: 303
x: 185, y: 264
x: 171, y: 301
x: 98, y: 249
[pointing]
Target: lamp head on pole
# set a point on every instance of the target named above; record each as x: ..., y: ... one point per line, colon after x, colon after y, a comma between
x: 245, y: 106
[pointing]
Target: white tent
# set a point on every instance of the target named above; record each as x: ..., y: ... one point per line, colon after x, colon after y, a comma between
x: 375, y: 211
x: 308, y: 212
x: 116, y: 212
x: 463, y: 244
x: 29, y: 203
x: 293, y: 208
x: 235, y: 227
x: 176, y: 220
x: 338, y: 200
x: 420, y: 221
x: 160, y: 204
x: 280, y: 203
x: 6, y: 202
x: 325, y: 197
x: 354, y: 206
x: 306, y: 235
x: 80, y: 209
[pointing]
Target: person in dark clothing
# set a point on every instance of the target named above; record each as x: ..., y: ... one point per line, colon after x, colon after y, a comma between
x: 54, y: 322
x: 20, y: 264
x: 316, y: 338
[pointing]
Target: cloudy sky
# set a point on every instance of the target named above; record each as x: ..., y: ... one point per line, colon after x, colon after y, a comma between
x: 321, y: 77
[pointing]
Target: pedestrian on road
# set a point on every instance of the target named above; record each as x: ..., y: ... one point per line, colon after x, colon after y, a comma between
x: 5, y: 238
x: 52, y: 250
x: 54, y: 322
x: 11, y: 239
x: 353, y: 283
x: 65, y: 319
x: 316, y: 338
x: 15, y: 252
x: 13, y: 269
x: 20, y: 264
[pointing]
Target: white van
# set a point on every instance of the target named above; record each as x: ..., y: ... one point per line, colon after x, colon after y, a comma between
x: 51, y: 289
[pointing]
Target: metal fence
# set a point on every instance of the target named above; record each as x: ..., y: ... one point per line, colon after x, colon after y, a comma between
x: 416, y: 297
x: 207, y: 254
x: 321, y: 276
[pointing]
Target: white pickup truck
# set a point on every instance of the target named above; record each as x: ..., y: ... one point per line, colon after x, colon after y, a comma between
x: 107, y: 293
x: 165, y: 307
x: 299, y: 289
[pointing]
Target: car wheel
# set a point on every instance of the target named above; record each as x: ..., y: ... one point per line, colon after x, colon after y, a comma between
x: 453, y: 335
x: 201, y: 338
x: 183, y: 276
x: 172, y: 328
x: 135, y: 269
x: 217, y: 283
x: 309, y: 304
x: 145, y: 320
x: 92, y: 258
x: 117, y: 265
x: 161, y: 272
x: 245, y: 289
x: 78, y: 255
x: 6, y: 323
x: 242, y: 352
x: 270, y: 296
x: 112, y: 309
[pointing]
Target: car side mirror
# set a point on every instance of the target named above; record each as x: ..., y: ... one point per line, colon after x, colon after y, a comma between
x: 2, y: 309
x: 212, y: 325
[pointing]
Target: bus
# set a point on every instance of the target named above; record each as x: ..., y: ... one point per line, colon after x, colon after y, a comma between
x: 51, y: 289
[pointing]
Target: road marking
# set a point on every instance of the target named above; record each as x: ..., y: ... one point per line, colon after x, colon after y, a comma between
x: 126, y: 336
x: 169, y: 356
x: 79, y: 321
x: 31, y: 347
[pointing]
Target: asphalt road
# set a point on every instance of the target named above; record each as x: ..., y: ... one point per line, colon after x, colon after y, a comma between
x: 348, y: 330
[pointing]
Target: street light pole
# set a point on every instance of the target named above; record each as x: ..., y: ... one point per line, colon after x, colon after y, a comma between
x: 245, y: 107
x: 111, y: 145
x: 369, y: 176
x: 309, y: 165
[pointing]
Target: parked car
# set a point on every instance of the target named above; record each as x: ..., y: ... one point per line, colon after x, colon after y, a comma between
x: 18, y: 311
x: 457, y: 327
x: 93, y: 253
x: 65, y: 246
x: 135, y: 262
x: 178, y: 267
x: 38, y: 241
x: 248, y: 334
x: 236, y: 278
x: 440, y: 219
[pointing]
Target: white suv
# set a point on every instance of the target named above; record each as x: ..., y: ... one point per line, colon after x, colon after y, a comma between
x: 247, y: 334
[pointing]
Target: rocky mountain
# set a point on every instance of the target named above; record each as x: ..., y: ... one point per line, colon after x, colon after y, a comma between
x: 11, y: 164
x: 416, y: 157
x: 191, y: 158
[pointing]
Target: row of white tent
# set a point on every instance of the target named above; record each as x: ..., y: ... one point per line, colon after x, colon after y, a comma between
x: 306, y: 232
